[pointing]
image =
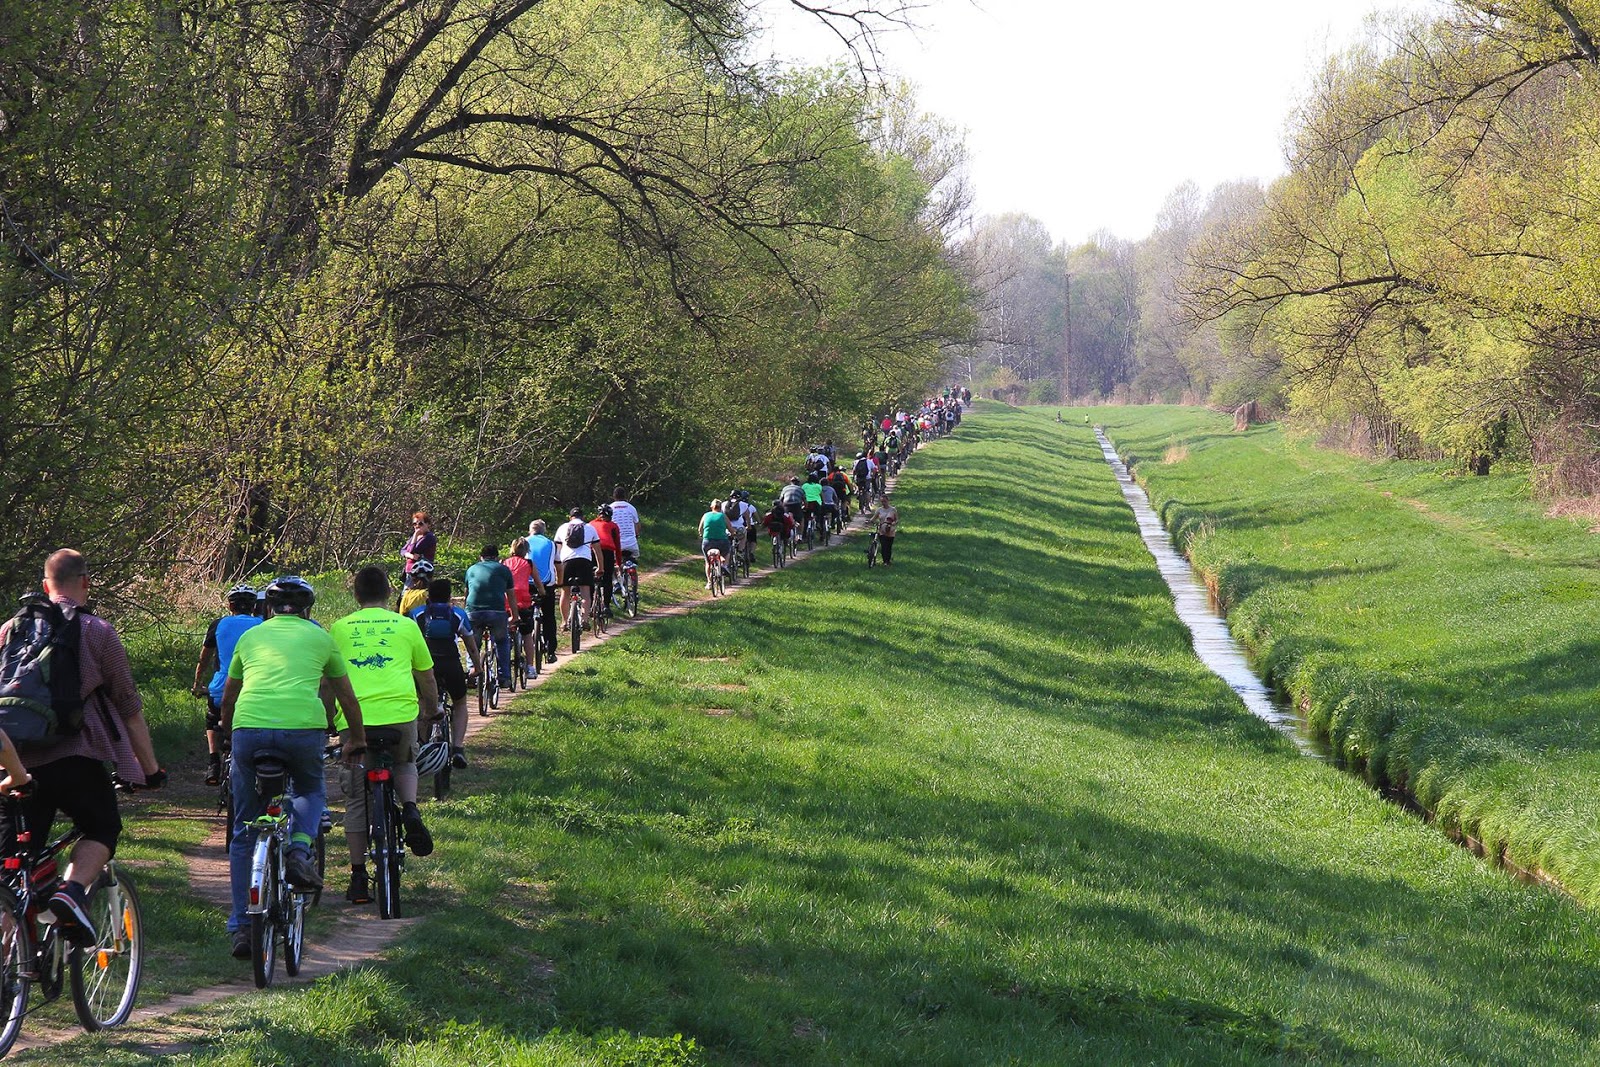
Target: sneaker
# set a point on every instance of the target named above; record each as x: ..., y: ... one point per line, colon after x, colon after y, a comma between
x: 301, y: 872
x: 70, y: 906
x: 214, y: 771
x: 418, y: 840
x: 708, y: 585
x: 359, y: 892
x: 458, y: 758
x: 241, y: 943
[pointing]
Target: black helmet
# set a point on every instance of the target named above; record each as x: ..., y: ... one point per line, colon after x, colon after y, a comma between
x: 242, y: 595
x: 605, y: 511
x: 290, y: 594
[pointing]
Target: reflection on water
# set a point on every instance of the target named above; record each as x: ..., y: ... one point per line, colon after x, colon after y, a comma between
x: 1213, y: 642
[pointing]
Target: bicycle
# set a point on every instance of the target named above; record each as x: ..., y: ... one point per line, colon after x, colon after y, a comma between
x: 746, y: 554
x: 519, y: 663
x: 777, y: 551
x: 872, y: 549
x: 103, y: 964
x: 385, y: 842
x: 442, y: 731
x: 488, y: 677
x: 276, y: 910
x: 714, y: 572
x: 537, y: 635
x: 597, y: 609
x: 630, y: 587
x: 575, y: 620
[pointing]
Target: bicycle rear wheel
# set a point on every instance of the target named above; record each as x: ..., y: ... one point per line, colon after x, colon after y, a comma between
x: 16, y: 959
x: 633, y: 596
x: 263, y: 942
x: 575, y: 622
x: 382, y: 837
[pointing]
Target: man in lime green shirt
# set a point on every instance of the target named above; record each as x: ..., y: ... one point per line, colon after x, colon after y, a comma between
x: 272, y: 702
x: 391, y: 672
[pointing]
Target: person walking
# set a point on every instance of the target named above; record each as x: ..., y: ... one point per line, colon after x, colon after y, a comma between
x: 887, y: 518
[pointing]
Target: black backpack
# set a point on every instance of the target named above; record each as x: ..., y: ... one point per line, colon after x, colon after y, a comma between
x: 39, y: 674
x: 575, y: 533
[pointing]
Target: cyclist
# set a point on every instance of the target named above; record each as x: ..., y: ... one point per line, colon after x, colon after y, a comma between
x: 829, y: 507
x: 489, y: 604
x: 575, y: 547
x: 735, y: 516
x: 272, y: 702
x: 542, y: 555
x: 217, y: 652
x: 610, y: 553
x: 416, y: 593
x: 70, y: 774
x: 794, y: 499
x: 751, y: 516
x: 391, y: 674
x: 778, y: 521
x: 713, y: 532
x: 626, y: 516
x: 525, y: 585
x: 442, y: 625
x: 812, y: 489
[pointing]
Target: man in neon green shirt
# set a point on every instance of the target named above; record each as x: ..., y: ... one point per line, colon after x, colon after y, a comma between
x: 391, y: 672
x: 272, y: 702
x: 813, y: 506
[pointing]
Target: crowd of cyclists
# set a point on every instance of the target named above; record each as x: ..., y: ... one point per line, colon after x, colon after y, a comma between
x: 278, y: 685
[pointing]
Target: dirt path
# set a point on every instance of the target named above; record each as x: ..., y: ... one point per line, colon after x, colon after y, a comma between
x: 356, y: 935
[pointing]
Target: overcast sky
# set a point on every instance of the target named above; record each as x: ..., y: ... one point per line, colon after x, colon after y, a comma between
x: 1086, y: 113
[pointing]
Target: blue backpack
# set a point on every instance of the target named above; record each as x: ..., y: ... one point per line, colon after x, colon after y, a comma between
x: 438, y: 622
x: 39, y: 675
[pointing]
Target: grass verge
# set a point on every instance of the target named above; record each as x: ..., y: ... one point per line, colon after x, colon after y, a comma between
x: 1437, y: 628
x: 984, y: 807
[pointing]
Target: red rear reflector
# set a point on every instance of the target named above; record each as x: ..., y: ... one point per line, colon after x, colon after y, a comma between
x: 274, y: 810
x: 13, y: 863
x: 380, y: 775
x: 255, y: 895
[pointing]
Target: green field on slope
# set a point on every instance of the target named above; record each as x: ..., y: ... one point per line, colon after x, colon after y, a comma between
x: 982, y: 808
x: 1437, y: 626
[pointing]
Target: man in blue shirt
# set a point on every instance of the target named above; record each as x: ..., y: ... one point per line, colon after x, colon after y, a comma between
x: 218, y: 650
x: 542, y: 554
x: 489, y: 604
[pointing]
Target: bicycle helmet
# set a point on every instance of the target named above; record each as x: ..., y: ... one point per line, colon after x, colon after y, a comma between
x: 421, y: 568
x: 605, y: 511
x: 290, y: 593
x: 432, y: 757
x: 242, y: 595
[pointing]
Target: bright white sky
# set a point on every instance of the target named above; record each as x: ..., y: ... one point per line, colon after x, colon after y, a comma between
x: 1086, y: 114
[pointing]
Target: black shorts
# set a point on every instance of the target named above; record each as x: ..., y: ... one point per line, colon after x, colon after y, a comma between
x: 576, y: 572
x: 78, y: 787
x: 795, y: 510
x: 525, y: 621
x: 447, y: 672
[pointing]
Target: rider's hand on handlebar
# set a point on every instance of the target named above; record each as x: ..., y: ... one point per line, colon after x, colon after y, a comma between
x: 11, y: 787
x: 352, y: 752
x: 155, y: 779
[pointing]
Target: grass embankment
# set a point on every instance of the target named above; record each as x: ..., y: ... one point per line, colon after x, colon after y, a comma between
x: 984, y: 807
x: 1438, y: 628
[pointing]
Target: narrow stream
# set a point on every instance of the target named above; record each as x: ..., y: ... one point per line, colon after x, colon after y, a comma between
x: 1213, y: 641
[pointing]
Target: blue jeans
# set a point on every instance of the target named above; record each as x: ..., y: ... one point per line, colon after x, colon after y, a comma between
x: 301, y: 751
x: 496, y: 621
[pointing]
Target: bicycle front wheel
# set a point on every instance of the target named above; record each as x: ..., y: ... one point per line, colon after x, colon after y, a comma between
x: 16, y: 960
x: 105, y: 975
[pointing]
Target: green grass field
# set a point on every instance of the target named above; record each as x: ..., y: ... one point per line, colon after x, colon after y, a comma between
x: 1437, y: 627
x: 982, y: 808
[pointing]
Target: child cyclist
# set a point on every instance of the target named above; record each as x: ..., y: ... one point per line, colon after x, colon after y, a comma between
x: 217, y: 652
